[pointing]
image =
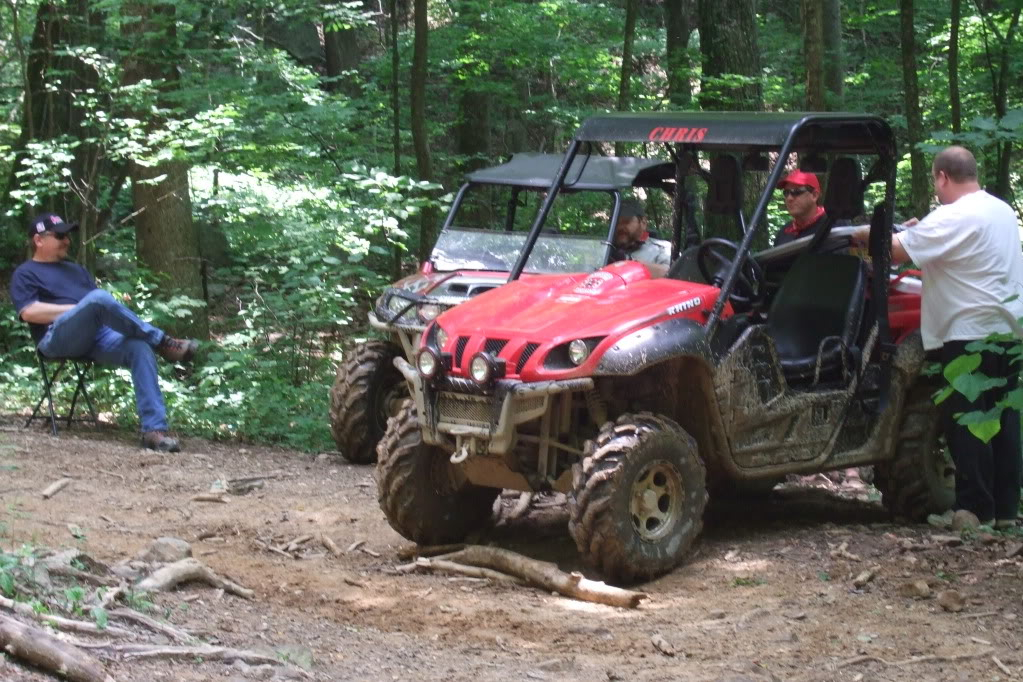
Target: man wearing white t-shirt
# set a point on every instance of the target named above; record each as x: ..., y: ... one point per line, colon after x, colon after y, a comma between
x: 968, y: 250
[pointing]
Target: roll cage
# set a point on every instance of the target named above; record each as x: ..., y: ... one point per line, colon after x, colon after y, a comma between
x: 753, y: 135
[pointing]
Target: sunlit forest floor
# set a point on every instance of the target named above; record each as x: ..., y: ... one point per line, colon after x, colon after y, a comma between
x: 768, y: 593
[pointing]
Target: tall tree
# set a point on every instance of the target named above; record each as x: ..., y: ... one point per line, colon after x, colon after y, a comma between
x: 834, y: 67
x: 730, y: 55
x: 166, y: 238
x: 472, y: 132
x: 920, y: 173
x: 626, y: 72
x: 813, y: 53
x: 955, y: 101
x: 420, y: 137
x: 999, y: 66
x: 393, y: 25
x: 678, y: 23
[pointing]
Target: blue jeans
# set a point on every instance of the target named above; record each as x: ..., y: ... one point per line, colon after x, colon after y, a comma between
x: 102, y: 329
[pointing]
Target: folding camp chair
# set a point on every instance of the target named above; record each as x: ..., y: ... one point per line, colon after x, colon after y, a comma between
x: 81, y: 368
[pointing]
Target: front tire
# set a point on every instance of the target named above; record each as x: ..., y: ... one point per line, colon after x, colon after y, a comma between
x: 421, y: 493
x: 367, y: 391
x: 920, y: 478
x: 638, y: 498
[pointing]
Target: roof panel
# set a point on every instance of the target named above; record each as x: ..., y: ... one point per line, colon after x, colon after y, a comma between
x: 842, y: 131
x: 592, y: 173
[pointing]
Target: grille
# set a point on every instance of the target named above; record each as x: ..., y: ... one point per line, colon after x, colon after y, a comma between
x: 494, y: 346
x: 463, y: 409
x: 526, y: 353
x: 459, y: 349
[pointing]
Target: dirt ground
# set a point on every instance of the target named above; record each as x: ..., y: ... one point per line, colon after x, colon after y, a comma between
x: 768, y: 593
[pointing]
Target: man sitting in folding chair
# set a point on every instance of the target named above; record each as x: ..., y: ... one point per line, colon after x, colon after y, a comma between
x: 71, y: 318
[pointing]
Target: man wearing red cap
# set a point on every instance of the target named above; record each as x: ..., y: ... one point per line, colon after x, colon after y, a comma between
x: 801, y: 191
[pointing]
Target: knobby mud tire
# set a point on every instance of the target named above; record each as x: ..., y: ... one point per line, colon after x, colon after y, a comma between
x: 358, y: 409
x: 604, y: 494
x: 911, y: 484
x: 417, y: 492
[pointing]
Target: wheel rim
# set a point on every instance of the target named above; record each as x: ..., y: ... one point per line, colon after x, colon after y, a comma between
x: 656, y: 501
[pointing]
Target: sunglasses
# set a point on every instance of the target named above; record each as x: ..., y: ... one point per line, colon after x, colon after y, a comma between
x: 59, y: 236
x: 799, y: 191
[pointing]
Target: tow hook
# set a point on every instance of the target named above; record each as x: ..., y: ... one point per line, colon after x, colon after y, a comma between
x: 461, y: 454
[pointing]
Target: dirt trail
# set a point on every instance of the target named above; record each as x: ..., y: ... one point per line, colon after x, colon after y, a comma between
x: 765, y: 596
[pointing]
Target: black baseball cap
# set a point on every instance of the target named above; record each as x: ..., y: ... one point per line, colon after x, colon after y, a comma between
x: 632, y: 208
x: 50, y: 222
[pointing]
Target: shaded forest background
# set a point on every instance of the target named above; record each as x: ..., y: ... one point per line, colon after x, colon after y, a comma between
x: 254, y: 172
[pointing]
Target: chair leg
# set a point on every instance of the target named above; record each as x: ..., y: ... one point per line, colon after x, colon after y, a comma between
x: 88, y: 398
x: 81, y: 371
x: 48, y: 381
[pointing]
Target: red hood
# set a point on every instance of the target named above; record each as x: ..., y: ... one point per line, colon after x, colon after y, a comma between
x: 546, y: 311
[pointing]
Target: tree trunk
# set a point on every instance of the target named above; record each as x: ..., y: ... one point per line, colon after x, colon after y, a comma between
x: 626, y: 73
x: 919, y: 193
x: 1000, y: 90
x: 472, y: 133
x: 678, y: 24
x: 420, y: 138
x: 955, y: 19
x: 395, y: 120
x: 728, y: 43
x: 166, y: 239
x: 834, y: 69
x: 813, y: 51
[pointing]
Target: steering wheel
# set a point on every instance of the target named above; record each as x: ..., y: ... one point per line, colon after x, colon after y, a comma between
x: 714, y: 264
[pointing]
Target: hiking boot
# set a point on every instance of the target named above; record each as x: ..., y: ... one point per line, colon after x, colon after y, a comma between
x: 159, y: 441
x: 177, y: 350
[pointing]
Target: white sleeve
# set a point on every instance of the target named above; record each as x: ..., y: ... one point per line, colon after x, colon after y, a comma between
x: 935, y: 237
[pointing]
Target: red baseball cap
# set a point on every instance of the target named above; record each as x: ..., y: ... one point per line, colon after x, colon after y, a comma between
x: 801, y: 179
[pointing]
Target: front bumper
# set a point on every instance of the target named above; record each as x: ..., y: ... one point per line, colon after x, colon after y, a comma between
x: 455, y: 409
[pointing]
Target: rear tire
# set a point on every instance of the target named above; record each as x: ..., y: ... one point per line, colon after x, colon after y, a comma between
x: 419, y: 490
x: 367, y: 391
x: 920, y: 478
x: 638, y: 498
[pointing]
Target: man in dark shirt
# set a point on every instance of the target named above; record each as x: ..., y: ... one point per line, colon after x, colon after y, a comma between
x: 70, y: 317
x: 802, y: 191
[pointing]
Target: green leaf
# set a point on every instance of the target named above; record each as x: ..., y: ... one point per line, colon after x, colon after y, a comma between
x: 985, y: 431
x: 7, y: 584
x: 972, y: 385
x: 982, y: 345
x: 961, y: 365
x: 99, y: 615
x: 942, y: 395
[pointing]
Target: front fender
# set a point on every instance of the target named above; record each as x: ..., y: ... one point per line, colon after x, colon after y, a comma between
x: 651, y: 345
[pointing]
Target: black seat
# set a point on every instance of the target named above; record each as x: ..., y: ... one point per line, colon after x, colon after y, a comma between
x: 80, y: 368
x: 816, y: 315
x: 843, y: 196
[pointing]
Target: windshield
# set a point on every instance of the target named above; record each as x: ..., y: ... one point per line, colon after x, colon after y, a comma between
x: 489, y: 228
x: 464, y: 249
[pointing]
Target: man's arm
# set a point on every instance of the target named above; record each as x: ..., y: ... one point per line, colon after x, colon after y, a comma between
x: 44, y: 313
x: 899, y: 255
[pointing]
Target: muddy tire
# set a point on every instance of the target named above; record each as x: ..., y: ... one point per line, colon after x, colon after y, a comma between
x: 367, y: 391
x: 419, y: 490
x: 920, y: 478
x: 638, y: 498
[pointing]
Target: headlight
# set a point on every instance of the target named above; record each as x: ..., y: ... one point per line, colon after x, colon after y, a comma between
x: 480, y: 369
x: 427, y: 363
x: 578, y: 351
x: 429, y: 311
x: 484, y: 368
x: 441, y: 337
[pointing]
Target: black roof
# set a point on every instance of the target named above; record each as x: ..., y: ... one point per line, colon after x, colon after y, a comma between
x: 818, y: 131
x: 597, y: 172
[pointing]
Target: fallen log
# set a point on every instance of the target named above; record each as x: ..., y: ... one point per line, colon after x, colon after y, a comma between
x: 39, y: 648
x: 411, y: 551
x: 468, y: 571
x: 186, y: 570
x: 59, y: 622
x: 545, y: 575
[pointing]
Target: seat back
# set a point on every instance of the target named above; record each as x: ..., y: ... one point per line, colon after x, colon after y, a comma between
x: 724, y: 192
x: 843, y: 196
x: 821, y: 297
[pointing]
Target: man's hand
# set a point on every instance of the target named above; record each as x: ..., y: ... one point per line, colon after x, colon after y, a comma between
x: 44, y: 313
